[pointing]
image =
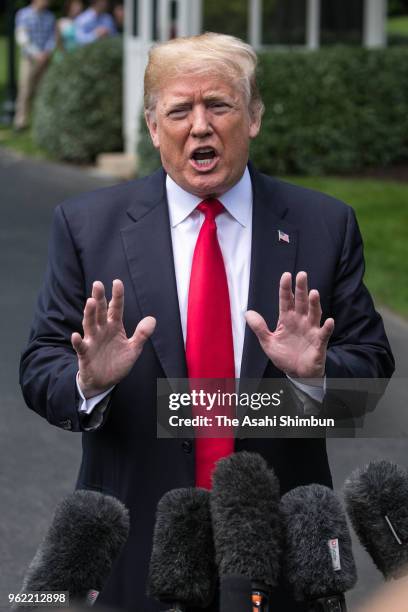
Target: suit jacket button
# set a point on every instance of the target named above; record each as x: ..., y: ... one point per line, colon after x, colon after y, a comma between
x: 187, y: 446
x: 67, y: 424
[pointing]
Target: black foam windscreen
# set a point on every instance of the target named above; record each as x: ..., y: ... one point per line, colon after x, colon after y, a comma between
x: 318, y: 558
x: 182, y: 566
x: 246, y: 518
x: 377, y: 504
x: 85, y: 538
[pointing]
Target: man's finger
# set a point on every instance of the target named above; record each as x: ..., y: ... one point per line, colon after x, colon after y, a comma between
x: 301, y: 294
x: 315, y: 310
x: 258, y: 325
x: 78, y: 344
x: 143, y: 331
x: 89, y: 320
x: 326, y: 330
x: 98, y: 293
x: 286, y: 297
x: 116, y: 305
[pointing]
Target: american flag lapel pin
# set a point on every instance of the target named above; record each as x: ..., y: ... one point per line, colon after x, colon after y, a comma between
x: 283, y: 237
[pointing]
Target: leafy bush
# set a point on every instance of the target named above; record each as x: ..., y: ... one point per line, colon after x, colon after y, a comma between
x: 334, y: 110
x: 148, y: 156
x: 78, y: 109
x: 331, y: 111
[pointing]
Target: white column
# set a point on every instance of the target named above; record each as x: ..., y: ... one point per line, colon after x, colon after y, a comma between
x: 145, y: 20
x: 313, y: 24
x: 255, y: 23
x: 183, y: 18
x: 136, y: 50
x: 196, y: 19
x: 164, y: 19
x: 128, y: 21
x: 374, y: 32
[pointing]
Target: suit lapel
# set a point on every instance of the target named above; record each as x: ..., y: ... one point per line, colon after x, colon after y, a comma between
x: 270, y: 258
x: 149, y: 252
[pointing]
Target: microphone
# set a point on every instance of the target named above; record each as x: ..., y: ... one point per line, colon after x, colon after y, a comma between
x: 247, y: 525
x: 318, y: 561
x: 182, y: 569
x: 377, y: 504
x: 85, y: 538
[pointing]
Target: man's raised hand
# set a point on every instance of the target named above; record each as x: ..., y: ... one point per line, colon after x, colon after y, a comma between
x: 105, y: 353
x: 298, y: 345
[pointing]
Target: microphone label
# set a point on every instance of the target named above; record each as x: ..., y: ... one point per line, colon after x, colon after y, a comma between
x: 335, y: 554
x: 91, y: 597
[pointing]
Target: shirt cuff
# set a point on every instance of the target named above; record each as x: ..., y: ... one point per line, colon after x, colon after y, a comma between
x: 316, y: 391
x: 87, y: 405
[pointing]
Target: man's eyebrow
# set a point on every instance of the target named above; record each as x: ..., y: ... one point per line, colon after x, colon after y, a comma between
x: 216, y: 97
x: 208, y: 97
x: 178, y: 102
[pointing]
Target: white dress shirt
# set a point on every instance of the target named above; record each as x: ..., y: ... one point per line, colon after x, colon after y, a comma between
x: 234, y: 232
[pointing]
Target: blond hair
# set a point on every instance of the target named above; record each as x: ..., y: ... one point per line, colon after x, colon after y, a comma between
x: 208, y: 53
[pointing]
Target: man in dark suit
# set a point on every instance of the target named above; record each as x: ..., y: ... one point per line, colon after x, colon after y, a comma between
x: 207, y: 219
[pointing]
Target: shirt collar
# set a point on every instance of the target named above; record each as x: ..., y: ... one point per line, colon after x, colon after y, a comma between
x: 237, y: 200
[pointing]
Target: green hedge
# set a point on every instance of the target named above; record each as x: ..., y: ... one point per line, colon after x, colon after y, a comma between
x: 78, y: 109
x: 148, y: 158
x: 329, y: 111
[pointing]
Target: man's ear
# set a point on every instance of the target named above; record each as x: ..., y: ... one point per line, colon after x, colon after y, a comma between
x: 255, y: 124
x: 150, y: 117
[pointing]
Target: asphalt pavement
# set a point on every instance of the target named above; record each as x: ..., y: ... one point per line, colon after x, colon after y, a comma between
x: 38, y: 462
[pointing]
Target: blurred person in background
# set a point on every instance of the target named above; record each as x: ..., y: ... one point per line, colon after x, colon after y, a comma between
x: 94, y: 23
x: 66, y: 35
x: 35, y: 33
x: 119, y: 16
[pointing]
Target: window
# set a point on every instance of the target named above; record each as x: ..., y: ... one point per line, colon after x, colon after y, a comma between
x: 284, y: 22
x: 226, y: 16
x: 341, y: 22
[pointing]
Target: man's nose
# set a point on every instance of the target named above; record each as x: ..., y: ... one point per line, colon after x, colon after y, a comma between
x: 200, y: 124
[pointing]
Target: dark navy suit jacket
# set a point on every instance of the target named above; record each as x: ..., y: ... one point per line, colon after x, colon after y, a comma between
x: 124, y: 232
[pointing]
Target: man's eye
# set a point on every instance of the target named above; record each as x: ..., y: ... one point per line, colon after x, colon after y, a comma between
x: 219, y: 105
x: 178, y: 113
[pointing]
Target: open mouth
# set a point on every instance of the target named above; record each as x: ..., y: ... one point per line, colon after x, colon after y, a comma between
x: 204, y: 158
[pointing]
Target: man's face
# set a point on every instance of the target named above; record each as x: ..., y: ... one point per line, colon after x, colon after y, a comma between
x: 202, y: 127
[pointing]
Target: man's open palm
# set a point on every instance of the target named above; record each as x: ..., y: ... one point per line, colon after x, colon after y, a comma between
x: 105, y: 353
x: 298, y: 345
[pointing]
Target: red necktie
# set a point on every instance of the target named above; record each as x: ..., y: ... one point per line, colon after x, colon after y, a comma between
x: 209, y: 343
